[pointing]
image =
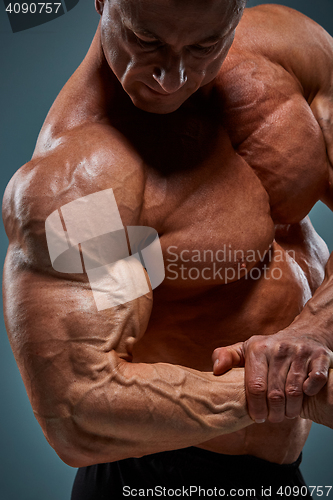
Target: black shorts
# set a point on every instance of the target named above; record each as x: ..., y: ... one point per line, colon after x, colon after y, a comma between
x: 190, y: 473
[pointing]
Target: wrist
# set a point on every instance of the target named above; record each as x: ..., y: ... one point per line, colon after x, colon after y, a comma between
x: 304, y: 328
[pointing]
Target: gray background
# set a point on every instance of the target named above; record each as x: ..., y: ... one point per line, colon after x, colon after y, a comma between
x: 34, y: 65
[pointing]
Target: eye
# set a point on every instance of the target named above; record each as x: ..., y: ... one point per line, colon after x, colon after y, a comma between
x: 203, y: 49
x: 147, y: 43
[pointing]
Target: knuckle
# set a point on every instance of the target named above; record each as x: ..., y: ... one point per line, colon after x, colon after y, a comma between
x: 276, y: 397
x: 294, y: 391
x: 256, y: 388
x: 282, y: 350
x: 304, y: 351
x: 319, y: 376
x: 325, y: 354
x: 320, y: 352
x: 254, y: 338
x: 256, y: 342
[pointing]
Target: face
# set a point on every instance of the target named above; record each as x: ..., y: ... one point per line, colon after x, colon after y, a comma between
x: 162, y: 51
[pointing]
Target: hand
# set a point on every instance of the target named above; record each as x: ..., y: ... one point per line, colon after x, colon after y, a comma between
x: 319, y: 408
x: 279, y: 369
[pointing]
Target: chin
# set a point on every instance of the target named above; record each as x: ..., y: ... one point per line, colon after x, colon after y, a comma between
x: 158, y: 109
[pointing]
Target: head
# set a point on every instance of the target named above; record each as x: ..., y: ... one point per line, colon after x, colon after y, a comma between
x: 162, y: 51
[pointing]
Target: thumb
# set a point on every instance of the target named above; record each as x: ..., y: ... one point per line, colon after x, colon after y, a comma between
x: 225, y: 358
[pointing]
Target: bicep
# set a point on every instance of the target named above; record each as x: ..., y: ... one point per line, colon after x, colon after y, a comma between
x: 63, y: 344
x: 322, y: 107
x: 318, y: 75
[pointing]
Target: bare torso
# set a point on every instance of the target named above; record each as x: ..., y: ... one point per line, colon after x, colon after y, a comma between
x: 226, y: 181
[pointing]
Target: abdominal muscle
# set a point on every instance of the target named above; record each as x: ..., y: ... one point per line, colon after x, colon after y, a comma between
x: 185, y: 328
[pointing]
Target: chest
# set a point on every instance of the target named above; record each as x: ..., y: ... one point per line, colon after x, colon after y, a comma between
x: 209, y: 216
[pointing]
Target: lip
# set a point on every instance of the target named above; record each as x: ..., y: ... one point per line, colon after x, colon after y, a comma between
x: 156, y: 92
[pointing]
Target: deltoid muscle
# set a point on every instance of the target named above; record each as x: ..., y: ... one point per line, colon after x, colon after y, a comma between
x: 93, y: 222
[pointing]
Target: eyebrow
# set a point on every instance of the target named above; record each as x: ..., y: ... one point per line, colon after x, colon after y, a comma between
x: 137, y: 29
x: 212, y: 39
x: 145, y: 32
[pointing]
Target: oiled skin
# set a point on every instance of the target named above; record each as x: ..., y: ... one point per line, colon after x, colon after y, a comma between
x: 240, y: 163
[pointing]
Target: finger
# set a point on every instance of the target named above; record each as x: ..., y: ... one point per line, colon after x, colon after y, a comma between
x: 256, y: 369
x: 318, y: 374
x: 225, y: 358
x: 277, y: 375
x: 294, y: 386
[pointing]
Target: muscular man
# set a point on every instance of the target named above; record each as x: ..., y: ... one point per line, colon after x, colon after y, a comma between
x: 221, y: 140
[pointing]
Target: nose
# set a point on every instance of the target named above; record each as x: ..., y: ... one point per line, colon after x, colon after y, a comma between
x: 171, y: 74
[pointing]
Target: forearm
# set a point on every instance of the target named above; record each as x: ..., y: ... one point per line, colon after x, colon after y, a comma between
x: 316, y: 319
x: 92, y: 403
x: 139, y: 409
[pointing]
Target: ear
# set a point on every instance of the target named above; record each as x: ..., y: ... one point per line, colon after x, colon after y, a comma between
x: 99, y: 5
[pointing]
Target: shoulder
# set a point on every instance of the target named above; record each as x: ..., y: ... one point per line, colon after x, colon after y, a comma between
x: 271, y: 20
x: 84, y: 161
x: 291, y: 39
